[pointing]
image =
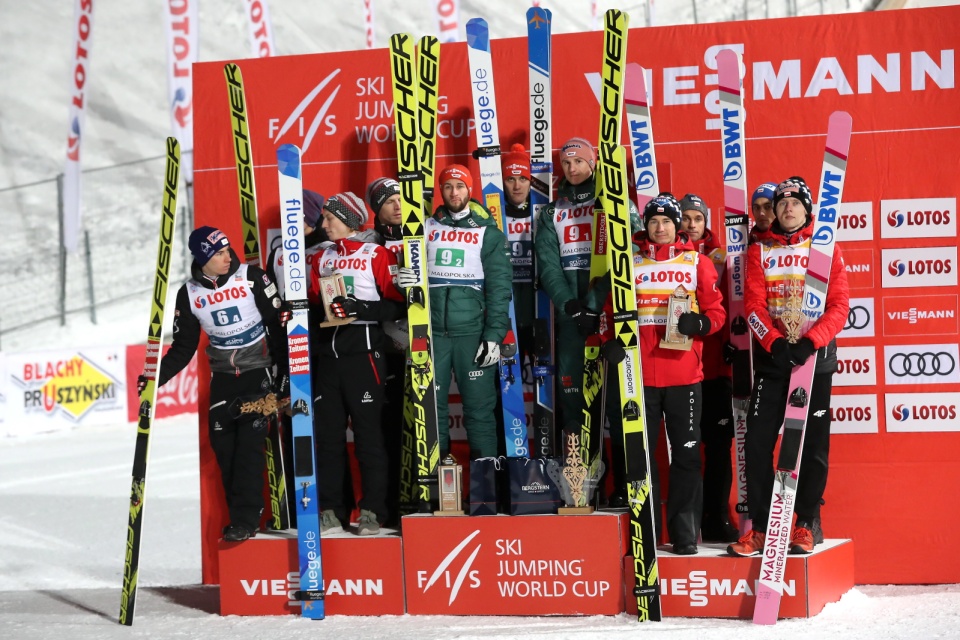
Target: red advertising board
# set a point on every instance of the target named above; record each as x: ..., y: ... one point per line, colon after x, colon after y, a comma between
x: 893, y: 71
x: 178, y: 396
x: 503, y: 565
x: 362, y: 576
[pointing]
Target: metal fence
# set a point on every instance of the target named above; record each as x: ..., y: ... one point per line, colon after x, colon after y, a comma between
x: 115, y: 257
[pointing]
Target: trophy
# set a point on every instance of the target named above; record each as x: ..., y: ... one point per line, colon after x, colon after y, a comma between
x: 578, y: 482
x: 332, y: 286
x: 451, y: 488
x: 677, y: 305
x: 792, y: 314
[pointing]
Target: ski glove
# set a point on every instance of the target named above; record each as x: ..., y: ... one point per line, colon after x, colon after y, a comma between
x: 613, y: 352
x: 782, y: 358
x: 141, y: 383
x: 344, y: 307
x: 281, y: 386
x: 488, y: 354
x: 588, y: 320
x: 406, y: 278
x: 802, y: 351
x: 285, y: 314
x: 693, y: 324
x: 729, y: 352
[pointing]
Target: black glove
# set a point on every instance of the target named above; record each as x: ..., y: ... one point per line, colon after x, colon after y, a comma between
x: 729, y: 352
x: 612, y: 352
x: 141, y: 383
x: 285, y: 314
x: 281, y: 386
x: 802, y: 351
x: 782, y: 358
x: 693, y: 324
x: 588, y: 320
x: 344, y: 307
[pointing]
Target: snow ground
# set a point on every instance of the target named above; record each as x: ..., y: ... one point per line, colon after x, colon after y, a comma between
x: 61, y: 559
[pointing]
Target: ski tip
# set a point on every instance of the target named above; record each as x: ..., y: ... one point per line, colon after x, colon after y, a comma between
x: 288, y: 160
x: 478, y: 34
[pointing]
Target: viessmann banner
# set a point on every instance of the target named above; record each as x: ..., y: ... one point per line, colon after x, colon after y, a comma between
x: 893, y: 71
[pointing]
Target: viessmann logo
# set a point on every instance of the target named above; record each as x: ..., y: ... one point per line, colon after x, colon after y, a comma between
x: 699, y: 587
x: 444, y: 575
x: 296, y: 117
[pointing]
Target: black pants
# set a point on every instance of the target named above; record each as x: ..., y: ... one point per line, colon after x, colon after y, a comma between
x: 237, y: 442
x: 716, y: 428
x: 680, y: 409
x: 351, y: 386
x: 767, y: 406
x: 392, y: 424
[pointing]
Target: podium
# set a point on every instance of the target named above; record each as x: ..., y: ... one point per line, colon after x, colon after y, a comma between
x: 362, y: 576
x: 713, y: 584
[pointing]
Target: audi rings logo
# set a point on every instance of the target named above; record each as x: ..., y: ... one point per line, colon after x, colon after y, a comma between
x: 858, y: 318
x: 927, y: 363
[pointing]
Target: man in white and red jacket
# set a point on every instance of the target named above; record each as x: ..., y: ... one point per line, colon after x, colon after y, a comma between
x: 665, y: 259
x: 777, y: 263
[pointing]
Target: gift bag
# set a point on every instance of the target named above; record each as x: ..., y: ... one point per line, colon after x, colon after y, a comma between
x: 532, y: 490
x: 483, y: 486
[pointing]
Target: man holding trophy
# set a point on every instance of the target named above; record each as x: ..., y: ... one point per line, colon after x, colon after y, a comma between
x: 776, y: 268
x: 678, y: 303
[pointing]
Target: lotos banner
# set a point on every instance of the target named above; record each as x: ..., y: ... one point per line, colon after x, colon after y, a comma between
x: 893, y: 71
x: 182, y: 29
x: 83, y: 28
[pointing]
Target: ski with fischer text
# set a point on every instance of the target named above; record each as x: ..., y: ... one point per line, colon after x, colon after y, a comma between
x: 539, y: 23
x: 420, y: 407
x: 488, y: 154
x: 616, y: 206
x: 148, y: 397
x: 736, y: 225
x: 246, y: 184
x: 773, y: 561
x: 295, y: 272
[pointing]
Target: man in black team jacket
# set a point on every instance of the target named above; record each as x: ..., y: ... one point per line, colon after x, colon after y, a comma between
x: 236, y: 306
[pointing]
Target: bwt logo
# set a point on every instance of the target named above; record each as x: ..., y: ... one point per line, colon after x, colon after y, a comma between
x: 646, y: 180
x: 912, y: 218
x: 296, y: 116
x: 442, y: 572
x: 813, y: 300
x: 898, y: 267
x: 734, y: 235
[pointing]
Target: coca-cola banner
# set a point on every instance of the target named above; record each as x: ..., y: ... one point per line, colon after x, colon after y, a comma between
x: 176, y: 397
x: 893, y: 71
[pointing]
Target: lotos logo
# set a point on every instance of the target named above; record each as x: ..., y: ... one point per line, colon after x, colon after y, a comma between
x: 895, y: 218
x: 221, y: 295
x: 901, y: 413
x: 459, y: 236
x: 918, y: 218
x: 73, y: 141
x: 897, y: 268
x: 678, y: 277
x: 181, y: 107
x: 786, y: 261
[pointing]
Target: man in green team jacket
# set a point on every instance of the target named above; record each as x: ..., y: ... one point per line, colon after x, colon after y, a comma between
x: 468, y: 266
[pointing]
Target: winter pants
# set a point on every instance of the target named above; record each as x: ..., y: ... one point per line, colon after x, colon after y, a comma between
x: 237, y: 442
x: 716, y: 429
x: 478, y: 393
x: 392, y: 423
x: 767, y: 406
x: 569, y: 356
x: 680, y: 409
x: 351, y: 386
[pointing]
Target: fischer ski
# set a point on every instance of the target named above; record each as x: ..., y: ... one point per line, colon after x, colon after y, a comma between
x: 295, y: 270
x: 243, y: 155
x: 488, y: 154
x: 148, y: 397
x: 539, y: 22
x: 774, y: 558
x: 428, y: 83
x: 625, y: 319
x: 736, y: 225
x: 420, y: 409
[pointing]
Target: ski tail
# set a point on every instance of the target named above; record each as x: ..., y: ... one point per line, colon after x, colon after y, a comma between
x: 643, y: 154
x: 816, y: 281
x: 539, y: 23
x: 420, y: 409
x: 151, y: 370
x: 736, y: 227
x: 290, y: 180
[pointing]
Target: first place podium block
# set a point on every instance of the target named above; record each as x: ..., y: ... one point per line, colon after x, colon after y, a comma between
x: 713, y: 584
x: 514, y: 565
x: 362, y: 576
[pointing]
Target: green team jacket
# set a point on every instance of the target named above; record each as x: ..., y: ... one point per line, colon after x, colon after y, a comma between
x: 460, y: 311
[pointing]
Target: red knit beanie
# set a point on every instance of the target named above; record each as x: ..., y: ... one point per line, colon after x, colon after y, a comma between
x: 516, y: 162
x: 457, y: 172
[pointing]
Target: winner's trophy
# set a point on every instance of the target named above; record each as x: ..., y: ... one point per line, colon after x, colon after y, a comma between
x: 792, y: 314
x: 677, y: 305
x: 451, y: 488
x: 332, y: 286
x: 578, y: 482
